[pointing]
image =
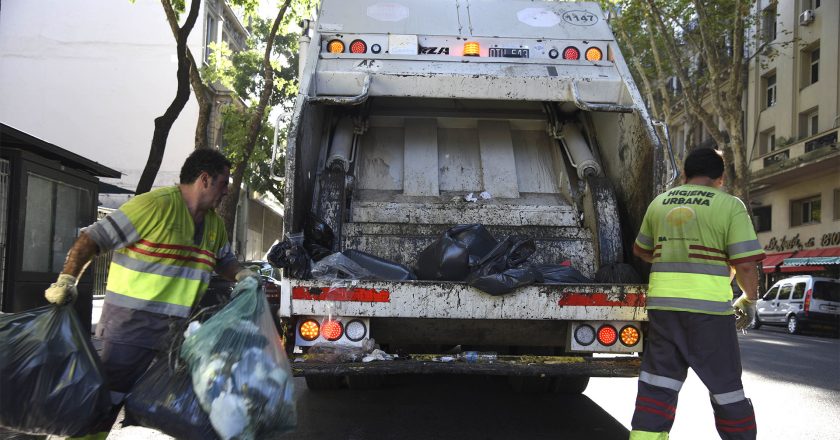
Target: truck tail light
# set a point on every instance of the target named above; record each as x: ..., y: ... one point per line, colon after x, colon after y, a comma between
x: 585, y: 334
x: 355, y: 330
x: 571, y: 53
x: 629, y: 335
x: 607, y: 335
x: 472, y: 49
x: 335, y: 46
x: 309, y: 330
x: 594, y: 54
x: 358, y: 46
x: 332, y: 330
x: 808, y: 301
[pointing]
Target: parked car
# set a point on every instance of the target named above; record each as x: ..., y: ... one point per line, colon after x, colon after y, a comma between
x: 799, y: 302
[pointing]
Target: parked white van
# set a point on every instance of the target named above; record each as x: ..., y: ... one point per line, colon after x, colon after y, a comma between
x: 799, y: 302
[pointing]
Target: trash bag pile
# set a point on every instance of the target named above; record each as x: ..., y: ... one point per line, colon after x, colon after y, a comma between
x: 163, y: 399
x: 50, y: 376
x: 240, y: 372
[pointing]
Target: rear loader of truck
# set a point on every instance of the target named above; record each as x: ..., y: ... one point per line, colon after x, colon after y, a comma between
x: 408, y: 106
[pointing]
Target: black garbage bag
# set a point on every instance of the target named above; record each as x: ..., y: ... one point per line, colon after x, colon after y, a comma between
x: 380, y: 268
x: 559, y: 274
x: 50, y: 377
x: 291, y: 257
x: 503, y: 269
x: 318, y: 237
x: 617, y: 273
x: 450, y: 257
x: 340, y: 267
x: 164, y: 399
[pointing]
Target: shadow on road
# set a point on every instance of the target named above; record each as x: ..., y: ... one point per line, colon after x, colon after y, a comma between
x: 811, y: 359
x: 449, y: 407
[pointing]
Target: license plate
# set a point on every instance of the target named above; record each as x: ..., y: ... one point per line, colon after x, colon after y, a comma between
x: 504, y: 52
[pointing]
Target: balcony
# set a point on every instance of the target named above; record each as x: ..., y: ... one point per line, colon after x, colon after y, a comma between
x: 808, y: 157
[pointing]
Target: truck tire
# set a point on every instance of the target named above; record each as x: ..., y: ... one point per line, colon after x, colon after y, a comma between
x: 570, y: 384
x: 324, y: 383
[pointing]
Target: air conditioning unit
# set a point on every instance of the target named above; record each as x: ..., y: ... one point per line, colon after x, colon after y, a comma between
x: 806, y: 17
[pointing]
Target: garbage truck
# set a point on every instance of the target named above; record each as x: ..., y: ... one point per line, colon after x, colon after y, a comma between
x: 522, y: 116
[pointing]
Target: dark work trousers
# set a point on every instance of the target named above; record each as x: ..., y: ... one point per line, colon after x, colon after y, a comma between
x: 709, y: 345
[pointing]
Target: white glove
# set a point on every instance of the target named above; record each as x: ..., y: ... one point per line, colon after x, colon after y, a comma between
x: 245, y: 273
x: 63, y: 290
x: 744, y: 312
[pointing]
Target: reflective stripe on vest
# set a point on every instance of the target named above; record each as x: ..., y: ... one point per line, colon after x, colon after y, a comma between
x: 161, y: 269
x: 689, y: 304
x: 146, y: 305
x: 660, y: 381
x: 645, y: 240
x: 698, y: 268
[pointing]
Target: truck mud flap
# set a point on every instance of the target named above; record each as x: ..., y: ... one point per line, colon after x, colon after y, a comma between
x: 623, y: 366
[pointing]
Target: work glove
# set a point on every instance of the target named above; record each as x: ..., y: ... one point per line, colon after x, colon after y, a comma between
x: 63, y: 290
x: 245, y: 279
x: 744, y: 312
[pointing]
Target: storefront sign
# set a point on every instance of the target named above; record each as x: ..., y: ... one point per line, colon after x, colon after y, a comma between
x: 830, y: 239
x: 794, y: 243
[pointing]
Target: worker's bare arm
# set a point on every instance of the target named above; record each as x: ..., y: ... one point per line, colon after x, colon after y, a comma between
x: 80, y: 254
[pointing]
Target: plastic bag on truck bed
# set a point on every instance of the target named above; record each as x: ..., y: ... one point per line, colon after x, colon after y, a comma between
x: 239, y: 369
x: 503, y: 269
x: 358, y: 265
x: 163, y: 399
x: 560, y: 274
x: 318, y: 237
x: 450, y: 257
x: 290, y: 256
x: 50, y: 376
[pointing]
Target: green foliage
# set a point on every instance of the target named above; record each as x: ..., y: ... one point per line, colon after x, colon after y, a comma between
x: 257, y: 173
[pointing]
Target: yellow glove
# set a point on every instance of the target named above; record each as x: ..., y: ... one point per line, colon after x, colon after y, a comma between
x: 245, y: 273
x: 63, y: 290
x: 744, y: 312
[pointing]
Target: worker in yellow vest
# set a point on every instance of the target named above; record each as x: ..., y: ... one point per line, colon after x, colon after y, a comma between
x: 166, y: 245
x: 693, y: 235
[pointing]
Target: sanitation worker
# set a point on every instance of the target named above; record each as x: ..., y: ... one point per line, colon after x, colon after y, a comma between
x: 692, y: 235
x: 166, y: 244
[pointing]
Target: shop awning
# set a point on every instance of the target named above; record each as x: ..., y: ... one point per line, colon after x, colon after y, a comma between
x: 814, y: 257
x: 801, y: 269
x: 771, y: 261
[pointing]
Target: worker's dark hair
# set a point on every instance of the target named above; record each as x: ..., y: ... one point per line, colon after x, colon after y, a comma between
x: 706, y: 162
x: 208, y: 160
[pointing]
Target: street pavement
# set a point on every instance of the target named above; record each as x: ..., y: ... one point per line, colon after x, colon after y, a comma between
x: 793, y: 382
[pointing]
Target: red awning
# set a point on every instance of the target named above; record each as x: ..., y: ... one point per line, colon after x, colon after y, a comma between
x: 788, y: 269
x: 772, y: 260
x: 821, y: 252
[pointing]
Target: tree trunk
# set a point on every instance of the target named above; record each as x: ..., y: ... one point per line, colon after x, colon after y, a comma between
x: 228, y: 208
x: 163, y: 124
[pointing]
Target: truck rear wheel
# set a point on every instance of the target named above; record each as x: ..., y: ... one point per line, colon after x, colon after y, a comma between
x: 324, y: 383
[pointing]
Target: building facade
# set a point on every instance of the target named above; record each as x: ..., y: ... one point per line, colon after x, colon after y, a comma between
x: 792, y: 119
x: 92, y: 75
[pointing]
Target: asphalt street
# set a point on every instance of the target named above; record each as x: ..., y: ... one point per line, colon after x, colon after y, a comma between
x: 793, y: 382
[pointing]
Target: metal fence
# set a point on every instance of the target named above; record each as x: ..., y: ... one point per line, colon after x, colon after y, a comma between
x: 101, y: 263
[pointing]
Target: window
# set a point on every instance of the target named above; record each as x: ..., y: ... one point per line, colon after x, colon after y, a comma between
x: 814, y: 67
x: 767, y: 141
x: 809, y: 123
x: 54, y: 211
x: 837, y: 204
x: 211, y: 33
x: 770, y: 90
x: 827, y: 291
x: 798, y: 291
x: 805, y: 211
x: 771, y: 294
x: 784, y: 293
x: 762, y: 218
x: 768, y: 23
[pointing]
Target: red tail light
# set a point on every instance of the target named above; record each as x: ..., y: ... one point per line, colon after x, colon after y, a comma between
x: 807, y: 301
x: 607, y: 335
x: 332, y: 330
x: 571, y: 53
x: 358, y: 46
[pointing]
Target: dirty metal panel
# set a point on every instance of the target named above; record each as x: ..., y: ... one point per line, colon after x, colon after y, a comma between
x: 498, y: 163
x: 472, y: 80
x: 529, y: 19
x: 420, y: 158
x: 459, y: 160
x: 380, y: 161
x: 459, y: 301
x: 437, y: 17
x: 535, y: 163
x: 459, y: 211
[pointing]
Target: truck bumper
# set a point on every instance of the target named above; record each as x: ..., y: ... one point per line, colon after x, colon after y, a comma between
x: 621, y: 366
